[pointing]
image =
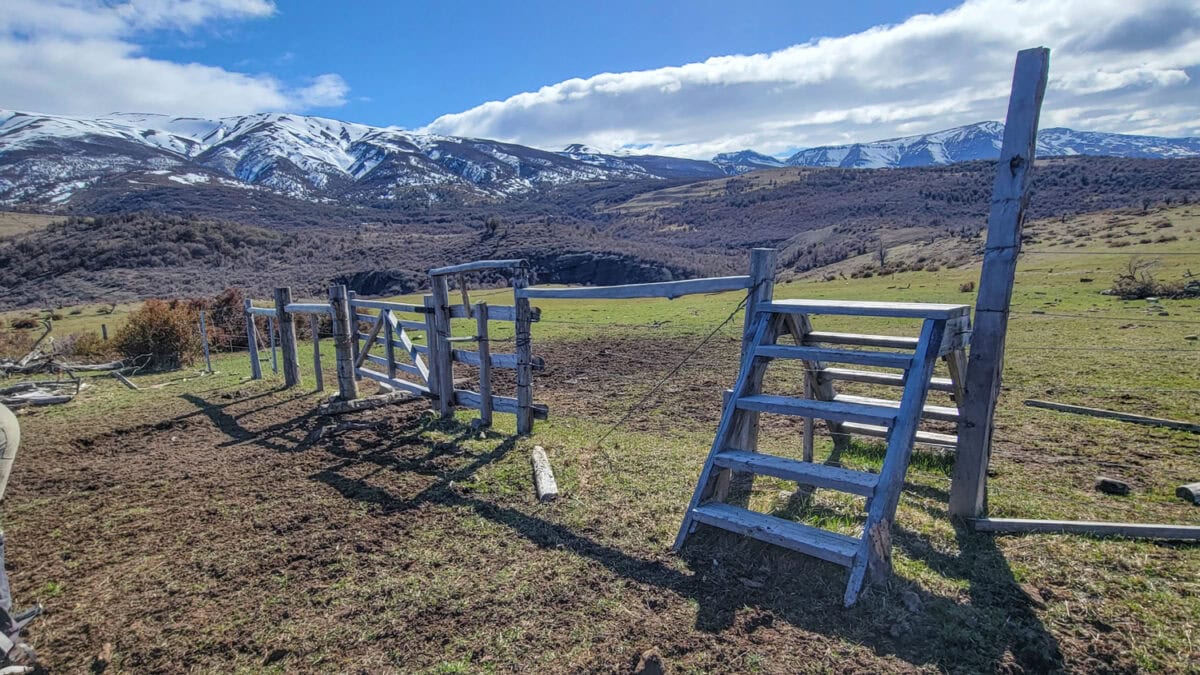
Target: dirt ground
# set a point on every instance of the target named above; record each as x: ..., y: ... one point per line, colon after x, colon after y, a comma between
x: 232, y: 529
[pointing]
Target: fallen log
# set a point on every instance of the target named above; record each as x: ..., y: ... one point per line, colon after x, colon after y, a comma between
x: 543, y: 475
x: 1189, y: 492
x: 1130, y: 530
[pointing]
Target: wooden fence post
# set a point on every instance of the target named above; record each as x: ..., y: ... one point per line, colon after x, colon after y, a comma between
x: 314, y: 324
x: 354, y: 346
x: 342, y: 325
x: 274, y: 355
x: 389, y: 344
x: 445, y: 370
x: 252, y: 341
x: 524, y: 340
x: 287, y: 337
x: 432, y: 343
x: 204, y: 341
x: 104, y: 332
x: 485, y: 365
x: 1010, y: 196
x: 762, y: 288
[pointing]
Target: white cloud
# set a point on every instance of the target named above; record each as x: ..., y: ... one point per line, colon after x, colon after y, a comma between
x: 82, y: 57
x: 1115, y: 66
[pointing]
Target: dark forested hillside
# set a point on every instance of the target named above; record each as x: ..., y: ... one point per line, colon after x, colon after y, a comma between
x: 191, y: 240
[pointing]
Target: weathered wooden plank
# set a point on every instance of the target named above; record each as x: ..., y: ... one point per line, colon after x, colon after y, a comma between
x: 805, y: 473
x: 342, y: 341
x: 813, y: 541
x: 859, y: 357
x: 261, y: 311
x: 889, y: 379
x: 394, y: 383
x: 804, y: 407
x: 523, y: 325
x: 401, y: 367
x: 929, y: 412
x: 287, y: 337
x: 502, y: 404
x: 663, y: 289
x: 861, y: 340
x: 123, y: 380
x: 507, y: 361
x: 899, y: 310
x: 497, y: 312
x: 391, y: 306
x: 761, y: 290
x: 369, y: 342
x: 1100, y: 529
x: 252, y: 340
x: 442, y: 331
x: 307, y: 308
x: 484, y: 357
x: 923, y: 437
x: 875, y: 550
x: 1115, y: 415
x: 543, y: 476
x: 406, y: 342
x: 1006, y: 218
x: 478, y: 266
x: 314, y: 326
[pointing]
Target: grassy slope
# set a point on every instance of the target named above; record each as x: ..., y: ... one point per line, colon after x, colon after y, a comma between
x: 482, y: 577
x: 13, y: 223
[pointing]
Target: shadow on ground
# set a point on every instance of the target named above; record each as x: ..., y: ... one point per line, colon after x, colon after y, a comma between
x: 990, y: 625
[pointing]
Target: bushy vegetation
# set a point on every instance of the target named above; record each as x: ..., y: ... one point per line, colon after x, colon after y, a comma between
x: 162, y: 331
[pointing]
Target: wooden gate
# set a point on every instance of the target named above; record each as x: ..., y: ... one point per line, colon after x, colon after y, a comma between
x: 388, y: 351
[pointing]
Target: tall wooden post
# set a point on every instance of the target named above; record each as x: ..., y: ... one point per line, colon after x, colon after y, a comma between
x: 1010, y: 196
x: 763, y: 262
x: 314, y: 324
x: 445, y: 371
x: 354, y: 346
x: 274, y: 354
x: 104, y: 331
x: 287, y: 337
x: 252, y: 341
x: 342, y: 325
x: 485, y: 364
x: 432, y: 342
x: 524, y: 338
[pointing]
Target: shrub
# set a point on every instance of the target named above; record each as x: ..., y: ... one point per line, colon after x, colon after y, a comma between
x: 163, y: 331
x: 967, y: 287
x: 85, y: 347
x: 24, y: 323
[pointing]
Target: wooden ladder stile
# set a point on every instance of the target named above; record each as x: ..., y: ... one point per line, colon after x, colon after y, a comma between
x: 870, y: 553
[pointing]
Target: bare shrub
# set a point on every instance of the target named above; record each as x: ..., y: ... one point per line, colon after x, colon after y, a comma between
x: 161, y: 330
x: 967, y: 287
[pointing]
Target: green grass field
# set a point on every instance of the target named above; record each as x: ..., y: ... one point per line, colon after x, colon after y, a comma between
x: 194, y: 524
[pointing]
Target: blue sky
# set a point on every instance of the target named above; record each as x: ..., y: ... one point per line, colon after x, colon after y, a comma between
x: 687, y: 79
x: 408, y: 63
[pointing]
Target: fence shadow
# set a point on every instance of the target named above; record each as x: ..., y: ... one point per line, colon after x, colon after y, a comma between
x: 990, y: 625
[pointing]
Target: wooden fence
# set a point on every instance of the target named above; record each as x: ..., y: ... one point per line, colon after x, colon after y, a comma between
x: 413, y: 347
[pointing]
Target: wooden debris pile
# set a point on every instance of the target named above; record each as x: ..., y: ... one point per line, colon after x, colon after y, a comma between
x: 41, y: 360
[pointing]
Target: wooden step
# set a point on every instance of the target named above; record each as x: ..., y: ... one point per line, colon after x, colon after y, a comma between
x: 930, y: 412
x: 823, y: 544
x: 860, y: 340
x: 903, y: 310
x: 924, y: 437
x: 823, y: 354
x: 834, y: 411
x: 805, y: 473
x: 892, y: 379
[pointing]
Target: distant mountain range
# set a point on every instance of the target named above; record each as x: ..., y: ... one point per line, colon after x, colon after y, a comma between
x: 982, y: 141
x: 51, y: 160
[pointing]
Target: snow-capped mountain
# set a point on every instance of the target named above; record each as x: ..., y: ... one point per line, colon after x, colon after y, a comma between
x: 53, y: 160
x: 734, y: 163
x: 982, y: 141
x: 48, y: 159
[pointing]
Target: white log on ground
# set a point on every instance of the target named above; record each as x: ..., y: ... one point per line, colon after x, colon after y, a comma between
x: 543, y: 475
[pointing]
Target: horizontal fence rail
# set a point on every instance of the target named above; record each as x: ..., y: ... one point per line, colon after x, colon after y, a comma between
x: 662, y: 289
